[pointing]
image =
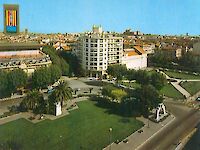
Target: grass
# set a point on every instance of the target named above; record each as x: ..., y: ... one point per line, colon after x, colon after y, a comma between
x: 169, y: 91
x: 132, y: 84
x: 85, y: 128
x: 181, y: 75
x: 191, y: 87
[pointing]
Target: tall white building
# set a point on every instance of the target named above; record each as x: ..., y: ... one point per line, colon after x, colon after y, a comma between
x: 97, y: 50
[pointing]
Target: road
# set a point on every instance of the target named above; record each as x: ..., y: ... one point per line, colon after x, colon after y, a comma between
x: 169, y: 137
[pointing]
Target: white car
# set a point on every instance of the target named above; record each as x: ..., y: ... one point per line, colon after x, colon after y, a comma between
x: 198, y: 99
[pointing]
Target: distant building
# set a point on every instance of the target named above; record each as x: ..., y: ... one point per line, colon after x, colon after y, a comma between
x: 97, y: 50
x: 196, y: 48
x: 174, y: 53
x: 11, y: 18
x: 26, y: 59
x: 135, y: 58
x: 149, y: 48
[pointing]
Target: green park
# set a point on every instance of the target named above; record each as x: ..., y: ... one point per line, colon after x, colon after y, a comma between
x: 84, y: 128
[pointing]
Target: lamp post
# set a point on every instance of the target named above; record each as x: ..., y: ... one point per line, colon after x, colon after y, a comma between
x: 148, y: 118
x: 110, y: 137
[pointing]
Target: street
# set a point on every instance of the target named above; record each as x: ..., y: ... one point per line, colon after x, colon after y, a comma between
x: 169, y: 137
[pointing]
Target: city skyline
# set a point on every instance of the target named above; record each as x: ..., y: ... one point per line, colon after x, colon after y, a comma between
x: 155, y: 17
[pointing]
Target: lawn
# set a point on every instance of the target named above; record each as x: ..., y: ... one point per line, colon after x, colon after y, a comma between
x: 132, y: 84
x: 191, y: 87
x: 169, y: 91
x: 85, y: 128
x: 181, y: 75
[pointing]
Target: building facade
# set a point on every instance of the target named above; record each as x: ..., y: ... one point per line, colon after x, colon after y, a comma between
x: 135, y: 58
x: 24, y: 56
x: 11, y: 18
x: 97, y: 50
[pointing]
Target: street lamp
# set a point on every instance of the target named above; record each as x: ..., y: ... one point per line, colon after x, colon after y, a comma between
x: 110, y: 131
x: 148, y: 118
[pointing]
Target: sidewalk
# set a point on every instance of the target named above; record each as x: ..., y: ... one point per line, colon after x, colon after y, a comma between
x: 137, y: 139
x: 181, y: 89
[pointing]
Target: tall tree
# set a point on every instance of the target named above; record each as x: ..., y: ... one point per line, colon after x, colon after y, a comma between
x: 16, y: 79
x: 55, y: 73
x: 33, y: 101
x: 74, y: 63
x: 62, y: 93
x: 142, y: 77
x: 3, y: 84
x: 117, y: 71
x: 149, y: 98
x: 131, y: 74
x: 41, y: 78
x: 56, y: 59
x: 157, y: 80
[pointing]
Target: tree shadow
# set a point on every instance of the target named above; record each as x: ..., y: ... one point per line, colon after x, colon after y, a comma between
x: 94, y: 83
x: 112, y: 107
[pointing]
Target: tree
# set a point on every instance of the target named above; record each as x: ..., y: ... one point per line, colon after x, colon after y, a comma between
x: 33, y: 101
x: 62, y: 93
x: 148, y: 97
x: 56, y: 59
x: 130, y: 106
x: 55, y: 73
x: 190, y: 59
x: 157, y: 80
x: 74, y: 63
x: 131, y: 74
x: 118, y: 94
x: 3, y: 84
x: 117, y: 71
x: 64, y: 66
x: 41, y: 78
x: 106, y: 91
x: 16, y: 79
x: 113, y: 92
x: 142, y: 77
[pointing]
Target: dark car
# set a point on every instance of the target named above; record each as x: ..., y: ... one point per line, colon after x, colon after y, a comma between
x: 140, y: 131
x: 117, y: 141
x: 125, y: 141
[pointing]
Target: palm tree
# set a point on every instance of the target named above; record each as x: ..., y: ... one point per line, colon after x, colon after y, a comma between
x: 62, y: 93
x: 33, y: 100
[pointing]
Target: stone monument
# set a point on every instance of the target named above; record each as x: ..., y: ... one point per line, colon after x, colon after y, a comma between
x: 160, y: 112
x: 58, y: 108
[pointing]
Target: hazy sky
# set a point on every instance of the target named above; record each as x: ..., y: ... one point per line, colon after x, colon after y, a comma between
x: 148, y: 16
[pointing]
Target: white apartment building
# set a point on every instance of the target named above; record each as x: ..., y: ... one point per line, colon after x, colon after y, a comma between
x: 135, y: 58
x: 97, y: 50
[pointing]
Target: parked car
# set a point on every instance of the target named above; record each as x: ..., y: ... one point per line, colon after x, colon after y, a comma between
x: 117, y: 141
x: 125, y: 141
x: 140, y: 131
x: 198, y: 99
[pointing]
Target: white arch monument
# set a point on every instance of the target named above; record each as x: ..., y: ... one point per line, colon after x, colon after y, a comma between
x: 160, y: 112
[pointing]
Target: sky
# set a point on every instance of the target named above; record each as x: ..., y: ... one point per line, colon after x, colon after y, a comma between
x: 173, y: 17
